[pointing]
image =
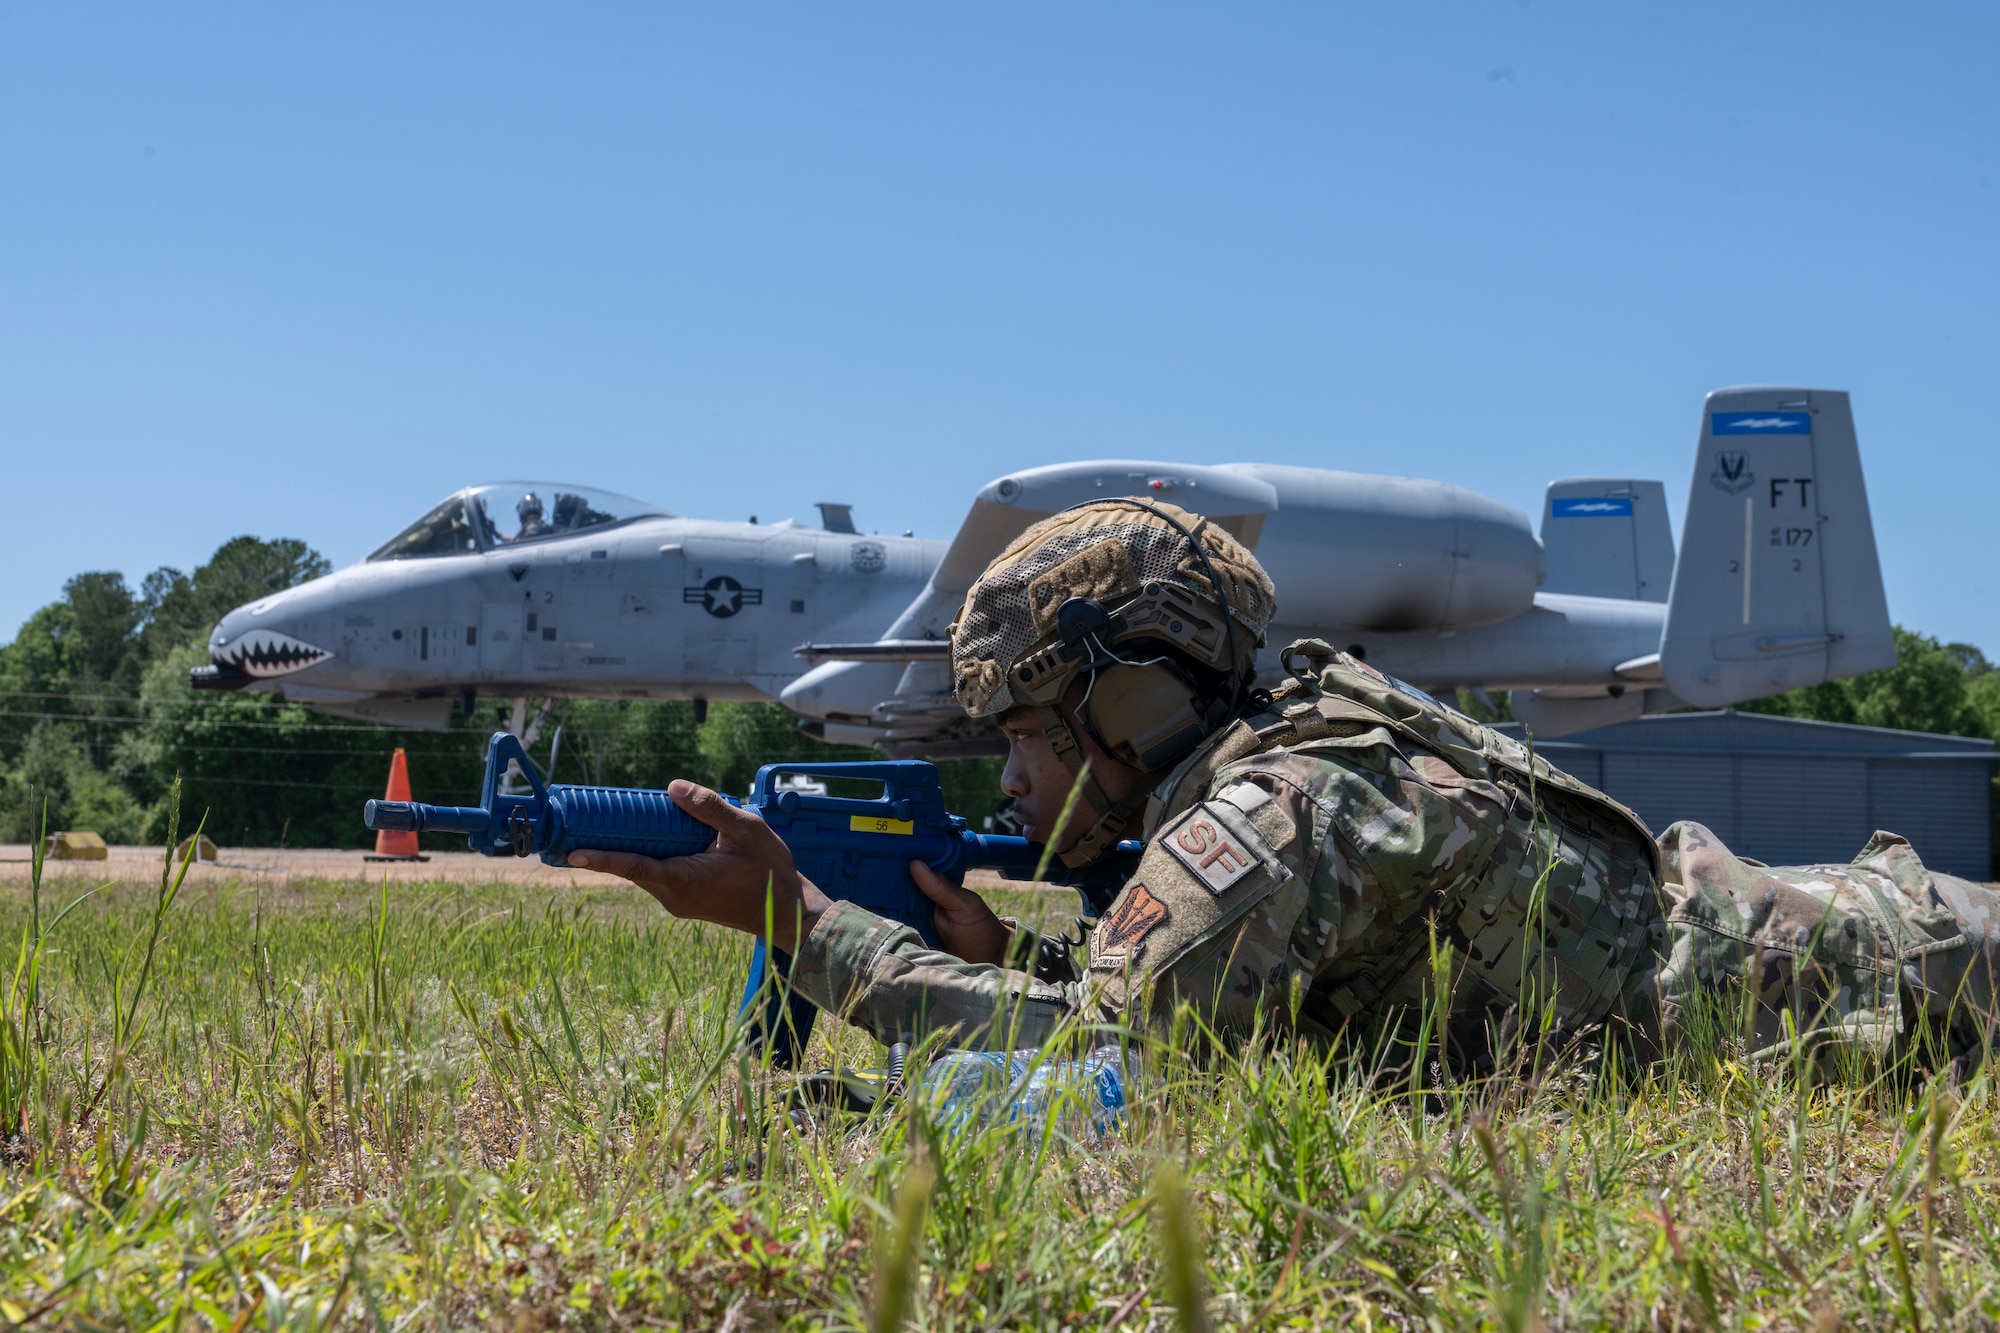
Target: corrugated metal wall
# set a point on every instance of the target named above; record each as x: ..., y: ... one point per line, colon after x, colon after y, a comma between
x: 1730, y: 772
x: 1795, y: 811
x: 1947, y: 811
x: 1666, y: 788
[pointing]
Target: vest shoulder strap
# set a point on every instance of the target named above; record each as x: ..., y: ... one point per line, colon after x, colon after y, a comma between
x: 1474, y: 749
x: 1331, y: 695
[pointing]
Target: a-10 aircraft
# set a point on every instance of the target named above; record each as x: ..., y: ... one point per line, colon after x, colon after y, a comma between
x: 535, y: 591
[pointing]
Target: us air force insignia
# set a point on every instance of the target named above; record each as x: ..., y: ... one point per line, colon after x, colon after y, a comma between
x: 722, y: 596
x: 1206, y: 846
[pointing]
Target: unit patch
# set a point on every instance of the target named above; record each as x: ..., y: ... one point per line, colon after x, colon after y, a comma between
x: 1205, y: 845
x: 1732, y: 474
x: 1138, y: 912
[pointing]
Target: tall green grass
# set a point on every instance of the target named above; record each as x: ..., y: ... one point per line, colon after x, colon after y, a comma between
x: 335, y: 1105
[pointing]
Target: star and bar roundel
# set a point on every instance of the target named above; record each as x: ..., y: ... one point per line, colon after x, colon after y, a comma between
x: 722, y: 596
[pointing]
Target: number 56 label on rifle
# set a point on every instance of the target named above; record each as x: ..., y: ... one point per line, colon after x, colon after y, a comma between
x: 879, y: 824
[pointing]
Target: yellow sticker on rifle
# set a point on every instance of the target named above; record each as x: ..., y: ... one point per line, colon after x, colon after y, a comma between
x: 879, y: 824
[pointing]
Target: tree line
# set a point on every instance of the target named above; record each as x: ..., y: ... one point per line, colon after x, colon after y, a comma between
x: 97, y: 720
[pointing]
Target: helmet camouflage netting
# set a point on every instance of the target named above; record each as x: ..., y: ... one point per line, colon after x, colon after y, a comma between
x: 1106, y: 550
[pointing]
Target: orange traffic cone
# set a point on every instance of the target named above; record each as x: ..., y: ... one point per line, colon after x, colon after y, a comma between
x: 394, y: 845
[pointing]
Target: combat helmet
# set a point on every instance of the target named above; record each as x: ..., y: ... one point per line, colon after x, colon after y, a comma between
x: 1159, y: 612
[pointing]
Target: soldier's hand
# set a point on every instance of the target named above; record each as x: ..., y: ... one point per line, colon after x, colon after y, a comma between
x: 965, y: 925
x: 745, y: 880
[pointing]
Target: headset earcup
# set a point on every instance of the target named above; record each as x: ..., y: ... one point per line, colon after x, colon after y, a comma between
x: 1147, y: 716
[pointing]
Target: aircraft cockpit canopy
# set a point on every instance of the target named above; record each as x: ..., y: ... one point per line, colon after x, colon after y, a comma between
x: 509, y: 513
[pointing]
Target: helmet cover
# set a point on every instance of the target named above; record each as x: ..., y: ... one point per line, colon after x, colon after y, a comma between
x: 1109, y: 551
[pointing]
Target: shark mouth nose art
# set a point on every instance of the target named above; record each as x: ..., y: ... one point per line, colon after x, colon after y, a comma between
x: 264, y: 653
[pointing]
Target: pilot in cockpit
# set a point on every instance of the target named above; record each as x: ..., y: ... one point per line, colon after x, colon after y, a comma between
x: 530, y: 511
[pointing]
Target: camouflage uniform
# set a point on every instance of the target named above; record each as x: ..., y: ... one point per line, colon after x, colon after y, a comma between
x: 1301, y: 861
x: 1867, y: 954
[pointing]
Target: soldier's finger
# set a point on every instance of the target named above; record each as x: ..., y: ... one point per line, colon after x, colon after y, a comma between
x: 939, y: 889
x: 674, y: 884
x: 712, y: 809
x: 641, y: 870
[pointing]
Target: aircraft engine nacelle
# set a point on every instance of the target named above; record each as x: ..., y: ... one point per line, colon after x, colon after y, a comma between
x: 1348, y: 550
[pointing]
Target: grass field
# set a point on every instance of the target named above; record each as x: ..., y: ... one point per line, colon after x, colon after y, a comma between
x: 329, y: 1105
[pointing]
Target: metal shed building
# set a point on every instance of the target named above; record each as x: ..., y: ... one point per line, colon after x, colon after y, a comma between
x: 1788, y: 791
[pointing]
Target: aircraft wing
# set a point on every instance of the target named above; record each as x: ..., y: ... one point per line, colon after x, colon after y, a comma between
x: 1005, y: 508
x: 1776, y: 584
x: 895, y: 693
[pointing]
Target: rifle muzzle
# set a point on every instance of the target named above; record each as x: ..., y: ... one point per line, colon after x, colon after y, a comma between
x: 416, y: 817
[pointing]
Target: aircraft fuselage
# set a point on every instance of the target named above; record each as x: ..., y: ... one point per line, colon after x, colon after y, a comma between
x: 656, y: 607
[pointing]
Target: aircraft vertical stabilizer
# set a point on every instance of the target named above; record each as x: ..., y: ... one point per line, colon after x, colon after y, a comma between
x: 1777, y: 584
x: 1607, y: 537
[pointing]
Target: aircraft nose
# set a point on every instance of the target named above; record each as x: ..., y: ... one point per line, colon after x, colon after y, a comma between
x: 240, y: 652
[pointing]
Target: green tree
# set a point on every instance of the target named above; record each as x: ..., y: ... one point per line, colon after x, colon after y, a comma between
x: 1929, y: 689
x: 1946, y: 688
x: 650, y: 743
x: 73, y: 662
x: 55, y: 775
x: 182, y: 609
x: 972, y: 787
x: 739, y: 738
x: 87, y: 723
x: 267, y: 771
x: 104, y: 617
x: 626, y: 743
x: 38, y: 672
x: 96, y: 715
x: 1982, y: 693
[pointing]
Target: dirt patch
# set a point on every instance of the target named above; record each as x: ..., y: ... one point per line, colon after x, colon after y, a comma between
x: 128, y: 865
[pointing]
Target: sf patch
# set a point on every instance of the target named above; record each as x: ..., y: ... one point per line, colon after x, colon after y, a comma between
x: 1138, y: 911
x: 1204, y: 844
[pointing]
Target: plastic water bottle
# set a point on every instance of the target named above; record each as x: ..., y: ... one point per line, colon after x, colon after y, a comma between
x: 1023, y: 1086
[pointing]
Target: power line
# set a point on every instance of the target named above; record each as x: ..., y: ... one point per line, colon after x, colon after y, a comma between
x: 109, y: 720
x: 220, y: 700
x: 356, y: 726
x: 448, y: 744
x: 201, y: 749
x: 348, y: 784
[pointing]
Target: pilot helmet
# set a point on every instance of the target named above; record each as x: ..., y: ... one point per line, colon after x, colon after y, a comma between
x: 529, y: 507
x: 1158, y: 611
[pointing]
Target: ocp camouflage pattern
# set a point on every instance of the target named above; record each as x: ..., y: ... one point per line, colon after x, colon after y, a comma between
x: 1367, y: 834
x: 1104, y: 550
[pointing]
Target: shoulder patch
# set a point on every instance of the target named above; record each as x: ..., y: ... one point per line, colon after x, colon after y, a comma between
x: 1275, y: 820
x: 1348, y: 659
x: 1204, y: 844
x: 1138, y: 911
x: 1196, y: 879
x: 1245, y: 796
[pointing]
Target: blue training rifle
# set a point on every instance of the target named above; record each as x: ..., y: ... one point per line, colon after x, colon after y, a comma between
x: 853, y: 848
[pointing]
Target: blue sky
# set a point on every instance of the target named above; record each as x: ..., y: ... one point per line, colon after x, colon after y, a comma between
x: 300, y: 271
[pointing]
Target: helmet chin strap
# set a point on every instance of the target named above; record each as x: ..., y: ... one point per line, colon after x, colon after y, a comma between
x: 1108, y: 817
